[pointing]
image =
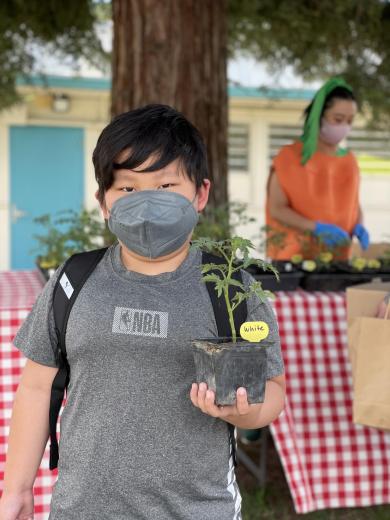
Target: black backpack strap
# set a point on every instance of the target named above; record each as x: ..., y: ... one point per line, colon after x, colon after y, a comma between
x: 222, y: 321
x: 71, y: 279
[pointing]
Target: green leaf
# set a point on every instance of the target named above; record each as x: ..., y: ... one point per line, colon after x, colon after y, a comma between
x: 220, y: 285
x: 207, y: 267
x: 227, y: 249
x: 266, y: 266
x: 211, y: 278
x: 257, y: 290
x: 240, y: 296
x: 236, y: 283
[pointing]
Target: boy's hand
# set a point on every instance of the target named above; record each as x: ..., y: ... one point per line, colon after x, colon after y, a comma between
x: 204, y: 399
x: 17, y: 506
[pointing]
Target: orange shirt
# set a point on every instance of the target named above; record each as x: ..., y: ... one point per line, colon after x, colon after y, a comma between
x: 325, y: 189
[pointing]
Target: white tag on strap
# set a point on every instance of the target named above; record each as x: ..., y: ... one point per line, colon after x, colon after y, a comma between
x: 66, y: 285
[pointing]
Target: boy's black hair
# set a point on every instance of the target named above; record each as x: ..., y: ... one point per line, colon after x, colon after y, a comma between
x: 336, y: 93
x: 153, y: 130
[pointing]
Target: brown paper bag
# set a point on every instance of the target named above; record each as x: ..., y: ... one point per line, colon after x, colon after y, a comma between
x: 363, y: 301
x: 369, y: 340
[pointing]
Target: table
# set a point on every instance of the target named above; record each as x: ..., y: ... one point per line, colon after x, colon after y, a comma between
x: 328, y: 461
x: 18, y: 292
x: 19, y: 289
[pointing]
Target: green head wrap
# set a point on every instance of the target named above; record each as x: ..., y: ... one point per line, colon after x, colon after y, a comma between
x: 311, y: 128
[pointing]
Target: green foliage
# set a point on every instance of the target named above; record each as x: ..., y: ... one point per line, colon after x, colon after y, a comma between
x: 315, y: 246
x: 273, y: 240
x: 320, y: 39
x: 386, y: 258
x: 65, y: 29
x: 274, y: 503
x: 235, y: 252
x: 70, y: 232
x: 254, y: 504
x: 221, y: 222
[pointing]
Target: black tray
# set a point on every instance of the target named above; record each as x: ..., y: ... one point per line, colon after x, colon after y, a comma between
x: 338, y: 281
x: 288, y: 281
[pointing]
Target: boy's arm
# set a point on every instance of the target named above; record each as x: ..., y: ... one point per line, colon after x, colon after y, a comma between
x: 29, y: 430
x: 242, y: 414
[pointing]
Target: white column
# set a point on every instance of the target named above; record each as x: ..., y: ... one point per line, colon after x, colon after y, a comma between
x: 16, y: 115
x: 91, y: 134
x: 258, y: 160
x: 258, y: 172
x: 250, y: 187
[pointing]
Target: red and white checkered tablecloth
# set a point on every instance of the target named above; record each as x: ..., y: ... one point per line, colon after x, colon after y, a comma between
x: 329, y: 462
x: 11, y: 364
x: 19, y: 289
x: 18, y: 292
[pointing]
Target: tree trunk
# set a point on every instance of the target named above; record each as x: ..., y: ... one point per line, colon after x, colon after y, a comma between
x: 174, y: 52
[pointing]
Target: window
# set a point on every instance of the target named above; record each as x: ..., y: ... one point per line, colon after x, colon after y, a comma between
x: 238, y: 147
x: 280, y: 135
x: 372, y: 150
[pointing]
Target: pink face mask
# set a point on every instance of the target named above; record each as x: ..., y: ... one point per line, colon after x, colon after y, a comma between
x: 333, y: 134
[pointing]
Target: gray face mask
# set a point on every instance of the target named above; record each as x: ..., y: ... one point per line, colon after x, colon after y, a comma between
x: 152, y: 223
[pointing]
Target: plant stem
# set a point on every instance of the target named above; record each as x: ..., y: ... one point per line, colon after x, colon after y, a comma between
x: 224, y: 255
x: 230, y: 313
x: 227, y: 299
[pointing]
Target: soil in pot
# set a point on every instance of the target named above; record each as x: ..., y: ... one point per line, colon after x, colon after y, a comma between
x: 225, y: 366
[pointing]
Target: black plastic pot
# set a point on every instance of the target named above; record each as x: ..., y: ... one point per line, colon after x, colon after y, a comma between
x: 225, y: 366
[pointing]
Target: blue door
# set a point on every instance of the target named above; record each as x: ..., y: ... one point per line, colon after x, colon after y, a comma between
x: 47, y: 175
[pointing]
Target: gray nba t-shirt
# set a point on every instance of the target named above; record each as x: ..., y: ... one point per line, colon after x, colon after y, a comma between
x: 133, y: 447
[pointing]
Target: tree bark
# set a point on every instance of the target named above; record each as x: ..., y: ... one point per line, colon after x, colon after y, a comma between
x: 174, y: 52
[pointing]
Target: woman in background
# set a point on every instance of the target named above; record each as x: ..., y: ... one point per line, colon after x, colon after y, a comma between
x: 313, y: 187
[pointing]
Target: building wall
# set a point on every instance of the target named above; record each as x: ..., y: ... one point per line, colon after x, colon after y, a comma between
x: 250, y: 186
x: 89, y: 110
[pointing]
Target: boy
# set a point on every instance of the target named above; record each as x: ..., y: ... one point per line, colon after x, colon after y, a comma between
x: 138, y: 441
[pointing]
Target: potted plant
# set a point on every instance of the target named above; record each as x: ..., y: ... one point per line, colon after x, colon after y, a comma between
x: 385, y: 261
x: 328, y: 270
x: 225, y: 364
x: 68, y: 233
x: 221, y: 222
x: 323, y: 265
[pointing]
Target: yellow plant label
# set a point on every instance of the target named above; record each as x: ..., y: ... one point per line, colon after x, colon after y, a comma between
x: 254, y: 331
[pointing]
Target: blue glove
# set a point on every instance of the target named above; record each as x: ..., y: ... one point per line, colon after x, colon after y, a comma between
x: 361, y: 233
x: 330, y: 234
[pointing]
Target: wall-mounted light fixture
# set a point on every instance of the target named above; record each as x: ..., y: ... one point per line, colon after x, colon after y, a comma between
x: 60, y: 102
